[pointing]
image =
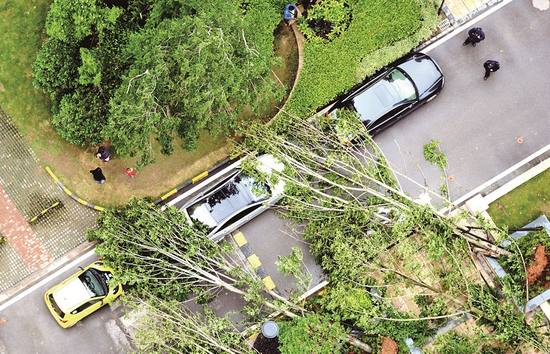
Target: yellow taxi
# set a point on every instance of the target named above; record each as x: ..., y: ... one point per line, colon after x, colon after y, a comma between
x: 82, y: 293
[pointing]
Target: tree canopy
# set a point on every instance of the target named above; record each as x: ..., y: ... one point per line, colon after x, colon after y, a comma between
x: 154, y: 69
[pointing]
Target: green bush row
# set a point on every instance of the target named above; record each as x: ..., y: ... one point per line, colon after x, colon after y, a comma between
x: 380, y: 32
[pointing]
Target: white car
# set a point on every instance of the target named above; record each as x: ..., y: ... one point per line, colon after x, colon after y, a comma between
x: 223, y: 206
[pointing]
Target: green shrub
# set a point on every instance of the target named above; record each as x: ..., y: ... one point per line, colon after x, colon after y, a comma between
x: 311, y: 334
x: 513, y: 264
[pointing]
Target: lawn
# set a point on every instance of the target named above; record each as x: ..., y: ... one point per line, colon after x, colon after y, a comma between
x: 21, y: 35
x: 523, y: 204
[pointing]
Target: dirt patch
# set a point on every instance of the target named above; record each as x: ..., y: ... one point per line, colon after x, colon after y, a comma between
x: 389, y: 346
x: 73, y: 165
x: 267, y: 345
x: 538, y: 272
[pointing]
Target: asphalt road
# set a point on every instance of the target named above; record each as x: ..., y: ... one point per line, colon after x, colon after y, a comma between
x: 270, y: 237
x: 479, y: 122
x: 28, y: 326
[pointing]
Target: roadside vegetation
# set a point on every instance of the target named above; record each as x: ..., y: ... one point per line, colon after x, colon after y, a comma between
x: 523, y: 204
x: 368, y: 35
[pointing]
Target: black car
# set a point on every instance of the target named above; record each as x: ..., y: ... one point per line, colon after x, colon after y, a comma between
x: 381, y: 101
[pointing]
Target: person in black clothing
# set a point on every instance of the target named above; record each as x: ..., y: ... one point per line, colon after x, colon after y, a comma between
x: 99, y: 177
x: 490, y: 66
x: 475, y: 35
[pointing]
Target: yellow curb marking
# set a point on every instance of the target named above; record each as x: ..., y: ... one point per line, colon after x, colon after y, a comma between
x: 81, y: 201
x: 173, y: 191
x: 199, y: 177
x: 269, y: 283
x: 254, y: 261
x: 51, y: 174
x: 233, y: 157
x: 239, y: 238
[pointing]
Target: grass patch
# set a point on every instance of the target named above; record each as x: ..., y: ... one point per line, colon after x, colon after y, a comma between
x: 523, y: 204
x: 21, y: 36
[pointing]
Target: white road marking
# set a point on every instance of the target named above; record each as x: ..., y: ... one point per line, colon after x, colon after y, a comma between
x: 52, y: 276
x: 466, y: 26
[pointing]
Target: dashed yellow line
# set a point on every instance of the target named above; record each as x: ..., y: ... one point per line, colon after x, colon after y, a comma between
x: 268, y: 282
x: 254, y: 261
x: 239, y: 238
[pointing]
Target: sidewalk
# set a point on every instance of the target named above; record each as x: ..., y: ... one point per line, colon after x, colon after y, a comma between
x: 460, y: 11
x: 25, y: 191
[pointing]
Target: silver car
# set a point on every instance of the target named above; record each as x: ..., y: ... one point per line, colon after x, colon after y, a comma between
x: 223, y: 206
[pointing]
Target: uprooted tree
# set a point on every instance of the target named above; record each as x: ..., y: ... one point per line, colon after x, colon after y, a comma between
x: 164, y: 259
x: 376, y: 243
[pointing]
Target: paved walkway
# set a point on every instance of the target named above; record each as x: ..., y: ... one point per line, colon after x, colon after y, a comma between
x: 25, y: 191
x: 460, y: 11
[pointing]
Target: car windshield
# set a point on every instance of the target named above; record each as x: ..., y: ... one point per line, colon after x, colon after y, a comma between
x: 232, y: 197
x: 402, y: 85
x: 94, y: 283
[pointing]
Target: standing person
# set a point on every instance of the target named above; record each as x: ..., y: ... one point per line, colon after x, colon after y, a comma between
x: 291, y: 11
x: 103, y: 154
x: 99, y: 177
x: 490, y: 66
x: 475, y: 35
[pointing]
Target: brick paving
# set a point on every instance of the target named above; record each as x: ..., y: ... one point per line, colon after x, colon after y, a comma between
x: 460, y: 11
x: 21, y: 236
x: 25, y: 190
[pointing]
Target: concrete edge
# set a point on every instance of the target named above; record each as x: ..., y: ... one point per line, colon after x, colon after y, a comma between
x: 508, y: 186
x: 71, y: 194
x: 199, y: 177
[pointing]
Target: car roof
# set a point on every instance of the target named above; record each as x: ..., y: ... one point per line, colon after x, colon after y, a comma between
x: 231, y: 196
x: 376, y: 97
x: 376, y: 101
x: 71, y: 294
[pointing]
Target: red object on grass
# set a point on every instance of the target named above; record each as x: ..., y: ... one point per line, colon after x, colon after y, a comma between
x: 130, y: 172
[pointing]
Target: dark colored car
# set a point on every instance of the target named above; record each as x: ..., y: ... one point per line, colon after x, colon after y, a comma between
x: 383, y: 100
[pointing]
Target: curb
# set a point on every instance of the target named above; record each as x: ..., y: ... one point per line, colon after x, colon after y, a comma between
x: 71, y: 194
x: 197, y: 178
x: 44, y: 211
x: 50, y: 268
x: 161, y: 199
x: 254, y: 261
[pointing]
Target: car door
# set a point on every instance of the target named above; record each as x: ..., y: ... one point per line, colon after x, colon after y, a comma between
x: 390, y: 118
x: 87, y: 308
